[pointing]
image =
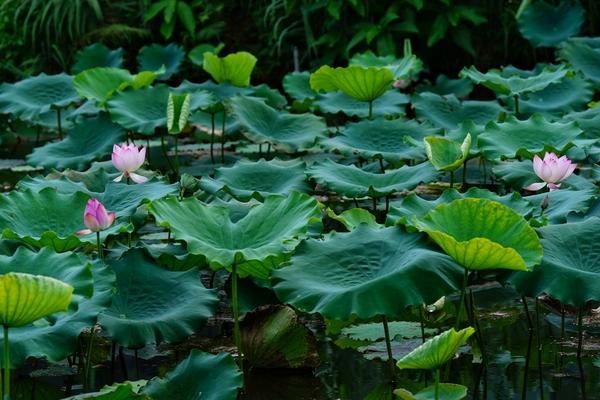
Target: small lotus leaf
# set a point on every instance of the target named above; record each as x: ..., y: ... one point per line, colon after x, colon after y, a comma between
x: 446, y: 391
x: 196, y: 377
x: 153, y: 304
x: 483, y: 234
x: 445, y: 154
x: 364, y: 84
x: 365, y: 273
x: 351, y: 181
x: 546, y: 25
x: 97, y: 55
x: 288, y: 132
x: 354, y: 217
x: 99, y: 84
x: 156, y: 56
x: 255, y: 243
x: 234, y: 68
x: 437, y: 351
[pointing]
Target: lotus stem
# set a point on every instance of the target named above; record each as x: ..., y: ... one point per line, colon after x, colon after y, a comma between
x: 223, y: 138
x: 99, y: 243
x: 516, y: 104
x: 88, y: 361
x: 539, y: 347
x: 374, y: 204
x: 463, y: 290
x: 259, y: 150
x: 529, y: 323
x: 268, y: 151
x: 388, y: 346
x: 212, y: 137
x: 464, y: 176
x: 478, y: 332
x: 370, y: 109
x: 422, y: 320
x: 58, y: 123
x: 236, y: 322
x: 176, y: 160
x: 381, y: 166
x: 562, y: 321
x: 579, y: 332
x: 526, y: 368
x: 6, y: 357
x: 123, y: 363
x: 164, y: 150
x: 437, y: 384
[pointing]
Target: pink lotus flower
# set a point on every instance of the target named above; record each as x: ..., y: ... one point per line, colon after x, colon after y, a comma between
x: 401, y: 83
x: 551, y: 170
x: 127, y: 158
x: 96, y: 218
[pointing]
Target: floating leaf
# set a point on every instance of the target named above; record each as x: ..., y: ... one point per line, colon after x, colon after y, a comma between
x: 546, y: 25
x: 374, y: 331
x: 195, y: 378
x: 365, y: 273
x: 483, y: 234
x: 448, y: 112
x: 255, y: 243
x: 288, y: 132
x: 156, y: 56
x: 117, y: 391
x: 247, y: 179
x: 351, y: 181
x: 178, y: 112
x: 364, y: 84
x: 445, y: 154
x: 446, y: 391
x: 436, y: 352
x: 97, y: 55
x: 234, y: 68
x: 153, y: 305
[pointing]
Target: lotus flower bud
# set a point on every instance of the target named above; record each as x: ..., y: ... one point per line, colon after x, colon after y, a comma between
x: 96, y: 218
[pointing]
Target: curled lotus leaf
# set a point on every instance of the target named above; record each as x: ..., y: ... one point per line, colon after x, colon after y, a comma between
x: 445, y: 154
x: 234, y: 68
x: 364, y: 84
x: 99, y: 84
x: 483, y: 234
x: 546, y: 25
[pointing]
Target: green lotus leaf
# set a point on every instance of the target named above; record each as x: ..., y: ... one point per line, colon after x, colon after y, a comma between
x: 196, y: 55
x: 406, y: 67
x: 141, y: 110
x: 287, y: 132
x: 445, y: 154
x: 173, y: 256
x: 354, y: 217
x: 391, y: 102
x: 515, y: 85
x: 483, y: 234
x: 401, y: 212
x: 247, y: 179
x: 448, y: 112
x: 153, y: 304
x: 365, y: 273
x: 27, y: 298
x: 56, y: 337
x: 48, y: 218
x: 582, y: 56
x: 437, y: 351
x: 364, y: 84
x: 219, y: 91
x: 526, y: 138
x: 446, y: 391
x: 297, y: 86
x: 588, y: 120
x: 445, y: 86
x: 195, y: 378
x: 374, y: 331
x: 89, y: 140
x: 569, y: 271
x: 564, y: 203
x: 351, y: 181
x: 117, y: 391
x: 97, y: 55
x: 546, y: 25
x: 254, y: 243
x: 467, y: 127
x: 99, y: 84
x: 392, y: 141
x: 156, y: 56
x: 272, y: 96
x: 178, y: 111
x: 234, y: 68
x: 36, y: 95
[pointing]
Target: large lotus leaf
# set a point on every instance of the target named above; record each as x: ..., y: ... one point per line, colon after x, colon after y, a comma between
x: 406, y: 67
x: 401, y: 212
x: 36, y: 95
x: 365, y: 273
x: 289, y: 132
x: 351, y: 181
x: 546, y: 25
x: 437, y: 351
x: 448, y: 112
x: 570, y: 271
x: 255, y: 242
x: 394, y: 140
x: 48, y: 218
x: 364, y: 84
x: 535, y: 135
x: 483, y: 234
x: 446, y: 391
x: 56, y: 337
x: 391, y: 102
x: 117, y: 391
x: 588, y: 120
x: 234, y: 68
x: 26, y: 298
x: 156, y: 56
x: 247, y: 179
x: 89, y: 140
x: 563, y: 203
x: 445, y: 154
x: 200, y: 376
x: 582, y: 57
x: 153, y: 304
x: 99, y: 84
x: 141, y: 110
x: 297, y: 86
x: 445, y: 86
x: 516, y: 84
x: 97, y: 55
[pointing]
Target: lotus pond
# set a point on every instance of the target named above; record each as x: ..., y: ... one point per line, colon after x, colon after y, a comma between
x: 365, y: 233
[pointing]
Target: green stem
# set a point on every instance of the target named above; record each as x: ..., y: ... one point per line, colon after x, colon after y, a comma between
x: 579, y: 332
x: 451, y: 179
x: 371, y: 109
x: 58, y: 122
x: 100, y: 255
x: 6, y: 357
x: 539, y: 347
x: 223, y: 138
x: 381, y: 166
x: 464, y: 176
x: 516, y: 104
x: 212, y: 137
x: 176, y: 160
x: 388, y: 346
x: 164, y: 150
x: 463, y: 289
x: 236, y: 323
x: 88, y: 362
x: 437, y: 384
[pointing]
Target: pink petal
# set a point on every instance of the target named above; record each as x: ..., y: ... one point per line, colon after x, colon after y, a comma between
x: 537, y: 165
x: 118, y: 178
x: 569, y: 171
x: 83, y: 232
x: 553, y: 186
x: 534, y: 187
x: 90, y: 221
x: 138, y: 178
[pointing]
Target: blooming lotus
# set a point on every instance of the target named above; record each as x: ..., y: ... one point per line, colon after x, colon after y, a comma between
x: 96, y: 218
x: 551, y: 170
x: 401, y: 83
x: 127, y: 158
